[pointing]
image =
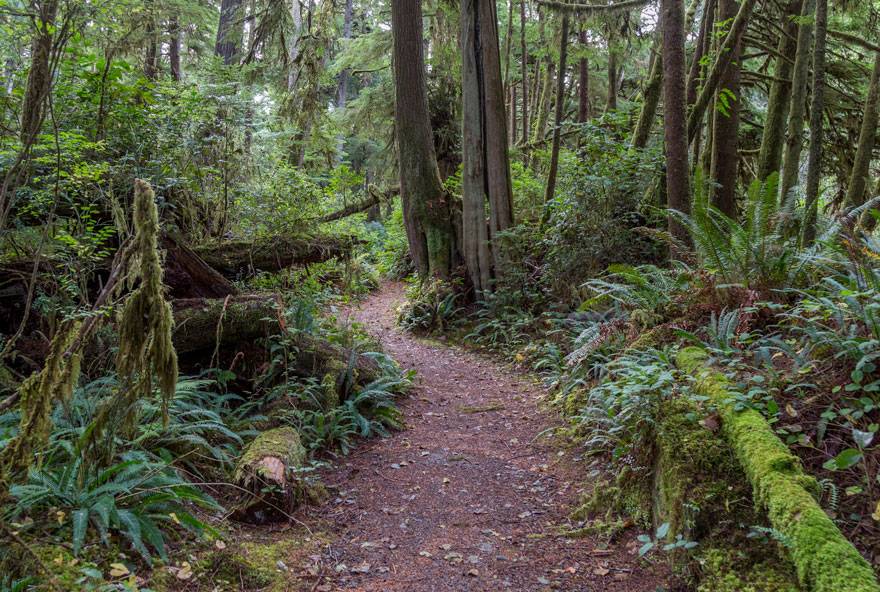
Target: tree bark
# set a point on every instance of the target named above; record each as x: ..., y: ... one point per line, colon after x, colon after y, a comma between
x: 791, y: 161
x: 524, y: 70
x: 174, y: 48
x: 611, y: 101
x: 229, y: 31
x: 188, y: 276
x: 650, y: 100
x: 557, y: 120
x: 583, y: 81
x: 342, y: 90
x: 701, y: 48
x: 859, y: 181
x: 725, y: 138
x: 773, y: 138
x: 817, y: 110
x: 241, y: 258
x: 151, y: 53
x: 429, y: 225
x: 675, y: 114
x: 39, y: 80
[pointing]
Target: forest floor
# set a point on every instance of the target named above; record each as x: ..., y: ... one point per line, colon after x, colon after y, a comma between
x: 468, y: 496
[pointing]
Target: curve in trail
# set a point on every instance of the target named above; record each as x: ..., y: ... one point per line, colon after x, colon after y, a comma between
x: 465, y: 498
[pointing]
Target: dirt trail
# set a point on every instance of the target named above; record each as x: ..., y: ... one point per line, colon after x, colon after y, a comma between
x: 465, y: 498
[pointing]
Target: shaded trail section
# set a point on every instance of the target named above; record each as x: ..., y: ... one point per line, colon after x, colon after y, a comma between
x: 467, y: 497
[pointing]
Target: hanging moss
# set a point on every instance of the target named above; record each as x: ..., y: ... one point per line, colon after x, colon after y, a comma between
x: 145, y: 328
x: 824, y: 559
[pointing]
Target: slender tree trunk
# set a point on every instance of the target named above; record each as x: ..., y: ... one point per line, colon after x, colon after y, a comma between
x: 229, y: 31
x: 544, y: 105
x: 513, y: 106
x: 858, y: 181
x: 817, y: 109
x: 675, y: 114
x: 650, y: 100
x: 611, y: 101
x: 508, y: 42
x: 427, y: 213
x: 39, y: 80
x: 524, y: 69
x: 174, y: 48
x: 293, y: 44
x: 557, y: 120
x: 342, y: 90
x: 725, y: 144
x: 773, y: 138
x: 701, y: 48
x: 791, y: 162
x: 722, y: 61
x: 151, y: 55
x: 583, y: 81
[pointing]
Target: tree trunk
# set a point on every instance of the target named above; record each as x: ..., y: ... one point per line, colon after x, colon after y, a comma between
x: 858, y: 181
x: 675, y: 114
x: 719, y: 67
x: 524, y: 70
x: 583, y: 81
x: 791, y: 161
x: 650, y: 100
x: 611, y: 101
x: 773, y: 138
x: 701, y: 48
x: 342, y: 90
x: 174, y: 48
x: 817, y: 111
x: 293, y: 44
x: 39, y: 80
x: 557, y: 120
x: 429, y: 227
x: 188, y: 276
x: 725, y: 138
x: 513, y: 107
x: 508, y: 42
x: 545, y: 104
x: 229, y: 31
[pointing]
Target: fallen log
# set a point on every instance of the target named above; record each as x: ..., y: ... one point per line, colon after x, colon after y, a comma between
x: 375, y: 198
x: 203, y: 325
x: 236, y: 259
x: 188, y: 276
x: 269, y: 474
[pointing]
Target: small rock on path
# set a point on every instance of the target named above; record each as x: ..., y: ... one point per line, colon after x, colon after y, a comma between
x: 465, y: 498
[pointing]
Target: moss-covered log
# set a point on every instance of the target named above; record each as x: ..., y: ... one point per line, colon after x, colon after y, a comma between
x: 825, y: 560
x: 188, y: 276
x: 242, y: 258
x: 268, y: 473
x: 201, y: 323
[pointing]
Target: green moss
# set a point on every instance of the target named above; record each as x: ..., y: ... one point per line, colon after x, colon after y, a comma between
x: 824, y: 559
x: 629, y: 495
x: 729, y: 570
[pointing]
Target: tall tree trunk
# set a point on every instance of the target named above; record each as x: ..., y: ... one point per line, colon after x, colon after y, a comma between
x: 611, y: 101
x: 513, y: 107
x: 545, y: 104
x: 858, y: 181
x: 508, y: 42
x: 427, y: 212
x: 557, y: 119
x: 725, y: 138
x: 174, y: 48
x: 719, y: 67
x: 524, y: 69
x: 773, y: 138
x: 817, y: 108
x: 229, y: 31
x: 791, y: 161
x: 650, y: 99
x: 701, y: 48
x: 293, y: 44
x: 39, y: 80
x: 583, y: 81
x: 151, y: 54
x: 342, y: 90
x: 675, y: 114
x: 486, y: 173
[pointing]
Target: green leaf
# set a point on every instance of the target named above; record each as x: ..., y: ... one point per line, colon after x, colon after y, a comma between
x: 844, y: 460
x: 80, y: 523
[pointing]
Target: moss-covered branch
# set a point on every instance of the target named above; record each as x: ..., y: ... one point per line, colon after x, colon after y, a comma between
x: 241, y: 258
x: 825, y: 560
x: 590, y: 9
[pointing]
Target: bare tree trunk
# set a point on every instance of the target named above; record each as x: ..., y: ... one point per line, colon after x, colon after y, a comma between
x: 557, y: 120
x: 611, y: 101
x: 725, y: 152
x: 650, y: 99
x: 508, y: 42
x: 524, y: 70
x: 817, y: 108
x: 293, y: 44
x: 342, y: 90
x: 858, y: 181
x: 513, y: 106
x: 675, y: 113
x: 174, y: 48
x: 428, y: 217
x: 151, y: 56
x: 486, y: 173
x: 773, y: 138
x: 791, y: 161
x: 583, y: 82
x: 229, y: 31
x: 701, y: 48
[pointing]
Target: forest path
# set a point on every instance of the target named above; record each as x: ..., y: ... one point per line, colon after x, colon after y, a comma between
x: 465, y: 498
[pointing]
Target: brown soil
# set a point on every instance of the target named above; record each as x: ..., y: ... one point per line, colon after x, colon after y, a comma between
x: 468, y: 497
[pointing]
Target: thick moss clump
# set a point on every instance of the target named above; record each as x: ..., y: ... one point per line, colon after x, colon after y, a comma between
x: 825, y: 560
x: 728, y: 570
